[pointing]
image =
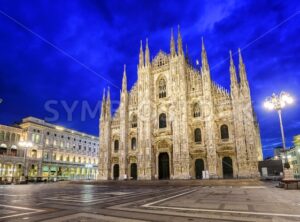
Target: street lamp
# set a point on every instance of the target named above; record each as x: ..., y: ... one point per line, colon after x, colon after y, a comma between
x: 25, y: 145
x: 278, y: 102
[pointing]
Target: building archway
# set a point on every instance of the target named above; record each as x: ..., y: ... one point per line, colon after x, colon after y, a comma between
x: 164, y: 168
x: 7, y: 170
x: 133, y: 171
x: 19, y: 170
x: 59, y: 171
x: 199, y: 167
x: 227, y: 168
x: 116, y: 172
x: 33, y: 170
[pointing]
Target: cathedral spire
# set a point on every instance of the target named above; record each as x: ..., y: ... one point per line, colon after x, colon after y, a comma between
x: 124, y: 81
x: 147, y: 54
x: 187, y: 54
x: 179, y: 42
x: 172, y: 45
x: 233, y: 78
x: 103, y: 96
x: 242, y: 71
x: 102, y: 116
x: 141, y: 56
x: 107, y: 108
x: 205, y: 65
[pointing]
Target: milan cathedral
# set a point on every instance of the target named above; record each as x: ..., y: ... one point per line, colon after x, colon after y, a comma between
x: 176, y: 123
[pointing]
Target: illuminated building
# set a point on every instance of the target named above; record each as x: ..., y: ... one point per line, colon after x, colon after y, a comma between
x: 176, y: 122
x: 55, y: 153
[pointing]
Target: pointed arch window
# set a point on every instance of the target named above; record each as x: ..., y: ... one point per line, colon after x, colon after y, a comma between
x: 224, y: 132
x: 162, y: 86
x: 116, y: 145
x: 134, y: 121
x: 197, y: 135
x: 162, y: 120
x: 133, y: 143
x: 196, y: 110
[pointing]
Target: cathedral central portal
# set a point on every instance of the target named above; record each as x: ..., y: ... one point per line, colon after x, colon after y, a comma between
x: 164, y: 166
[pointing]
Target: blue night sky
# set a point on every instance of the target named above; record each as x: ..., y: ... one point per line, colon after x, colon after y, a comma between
x: 70, y: 50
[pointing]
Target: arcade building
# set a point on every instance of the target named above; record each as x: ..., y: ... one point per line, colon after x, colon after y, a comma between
x: 55, y: 153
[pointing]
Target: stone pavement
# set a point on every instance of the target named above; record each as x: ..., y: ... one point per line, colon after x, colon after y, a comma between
x: 119, y: 201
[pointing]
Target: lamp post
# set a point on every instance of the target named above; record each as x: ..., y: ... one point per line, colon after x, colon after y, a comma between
x: 25, y: 145
x: 278, y: 102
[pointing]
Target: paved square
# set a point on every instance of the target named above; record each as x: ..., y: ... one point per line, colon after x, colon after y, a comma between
x: 127, y: 202
x: 259, y: 201
x: 10, y: 211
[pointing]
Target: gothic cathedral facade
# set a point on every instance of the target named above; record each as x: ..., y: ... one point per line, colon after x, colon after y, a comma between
x: 176, y: 123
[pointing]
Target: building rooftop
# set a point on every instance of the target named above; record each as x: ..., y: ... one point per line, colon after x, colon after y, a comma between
x: 43, y: 123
